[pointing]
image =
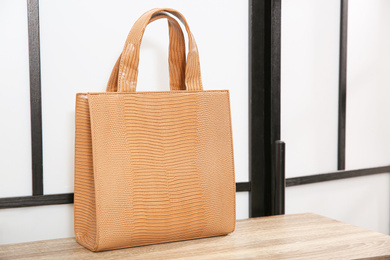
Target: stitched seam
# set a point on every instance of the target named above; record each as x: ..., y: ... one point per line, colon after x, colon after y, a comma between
x: 231, y: 143
x: 96, y: 246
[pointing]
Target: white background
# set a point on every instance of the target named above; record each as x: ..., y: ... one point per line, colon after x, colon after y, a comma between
x: 310, y: 53
x: 15, y: 131
x: 80, y: 41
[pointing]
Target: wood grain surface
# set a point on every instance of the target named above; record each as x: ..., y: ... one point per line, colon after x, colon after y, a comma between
x: 301, y: 236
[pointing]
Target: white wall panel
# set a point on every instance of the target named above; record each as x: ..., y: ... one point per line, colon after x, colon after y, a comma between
x: 242, y: 205
x: 362, y: 201
x: 15, y: 133
x: 36, y: 223
x: 309, y: 85
x: 310, y: 56
x: 368, y: 92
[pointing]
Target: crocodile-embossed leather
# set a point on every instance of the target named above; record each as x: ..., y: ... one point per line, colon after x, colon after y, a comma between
x: 153, y: 167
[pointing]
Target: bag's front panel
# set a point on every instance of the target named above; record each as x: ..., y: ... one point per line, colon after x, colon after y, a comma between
x: 162, y: 134
x: 159, y: 175
x: 84, y: 189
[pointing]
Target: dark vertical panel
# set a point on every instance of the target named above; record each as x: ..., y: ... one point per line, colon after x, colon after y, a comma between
x: 35, y: 96
x: 342, y: 84
x: 274, y: 60
x: 278, y: 181
x: 256, y: 107
x: 264, y: 99
x: 276, y: 154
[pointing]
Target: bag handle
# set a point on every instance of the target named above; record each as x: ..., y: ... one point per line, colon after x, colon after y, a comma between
x: 176, y: 60
x: 128, y: 65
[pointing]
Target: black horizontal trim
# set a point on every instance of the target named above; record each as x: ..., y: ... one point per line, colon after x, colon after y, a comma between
x: 55, y: 199
x: 243, y: 186
x: 344, y: 174
x: 67, y: 198
x: 38, y: 200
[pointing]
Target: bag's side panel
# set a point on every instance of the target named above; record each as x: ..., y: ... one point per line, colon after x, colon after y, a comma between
x: 84, y: 189
x: 114, y: 184
x: 216, y: 161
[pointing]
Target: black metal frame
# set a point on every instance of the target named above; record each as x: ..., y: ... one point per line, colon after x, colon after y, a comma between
x: 341, y: 173
x: 342, y: 85
x: 35, y: 96
x: 266, y: 152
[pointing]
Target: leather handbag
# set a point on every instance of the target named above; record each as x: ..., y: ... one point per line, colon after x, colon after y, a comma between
x: 153, y: 167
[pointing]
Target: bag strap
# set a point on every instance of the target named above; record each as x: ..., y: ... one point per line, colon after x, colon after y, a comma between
x: 128, y: 65
x: 176, y: 60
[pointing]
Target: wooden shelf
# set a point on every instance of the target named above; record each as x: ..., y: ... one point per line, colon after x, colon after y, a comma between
x: 300, y: 236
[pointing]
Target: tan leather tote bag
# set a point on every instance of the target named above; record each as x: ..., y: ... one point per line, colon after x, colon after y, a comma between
x: 153, y: 167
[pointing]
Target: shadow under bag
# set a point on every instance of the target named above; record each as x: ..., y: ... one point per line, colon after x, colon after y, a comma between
x: 153, y: 167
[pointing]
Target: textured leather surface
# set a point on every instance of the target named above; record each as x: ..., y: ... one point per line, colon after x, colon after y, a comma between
x: 84, y: 185
x: 153, y: 167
